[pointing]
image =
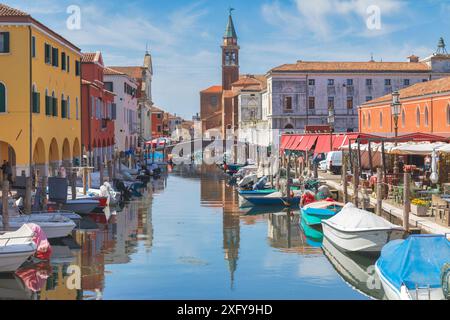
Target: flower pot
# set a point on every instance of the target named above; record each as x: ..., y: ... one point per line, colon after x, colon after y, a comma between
x: 419, y: 211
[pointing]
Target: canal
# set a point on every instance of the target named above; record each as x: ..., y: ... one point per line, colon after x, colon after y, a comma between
x: 188, y: 239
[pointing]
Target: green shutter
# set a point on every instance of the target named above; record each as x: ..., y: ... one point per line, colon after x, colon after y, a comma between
x: 55, y: 107
x: 48, y: 105
x: 2, y: 98
x: 6, y: 39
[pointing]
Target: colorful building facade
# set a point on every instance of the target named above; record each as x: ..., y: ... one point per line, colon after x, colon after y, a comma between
x: 126, y: 101
x: 425, y: 108
x: 40, y: 95
x: 158, y: 122
x: 99, y: 111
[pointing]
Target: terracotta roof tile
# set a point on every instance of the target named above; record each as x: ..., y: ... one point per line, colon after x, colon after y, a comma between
x: 417, y: 90
x: 89, y: 57
x: 251, y: 82
x: 111, y: 72
x: 133, y: 72
x: 213, y: 89
x: 6, y: 11
x: 318, y: 66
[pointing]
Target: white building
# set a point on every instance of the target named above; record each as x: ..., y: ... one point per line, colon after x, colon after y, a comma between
x: 126, y: 125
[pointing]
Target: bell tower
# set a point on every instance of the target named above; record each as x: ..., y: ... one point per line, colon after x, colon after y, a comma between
x: 230, y: 55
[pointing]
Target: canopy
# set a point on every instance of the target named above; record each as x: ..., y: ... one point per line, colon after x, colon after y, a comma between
x: 352, y: 219
x: 416, y: 261
x: 417, y: 149
x: 307, y: 143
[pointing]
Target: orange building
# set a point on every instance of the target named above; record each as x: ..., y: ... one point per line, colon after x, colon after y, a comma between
x: 158, y: 122
x: 425, y: 108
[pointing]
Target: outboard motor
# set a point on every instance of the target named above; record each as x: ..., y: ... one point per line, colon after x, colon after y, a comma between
x: 261, y: 184
x: 445, y: 279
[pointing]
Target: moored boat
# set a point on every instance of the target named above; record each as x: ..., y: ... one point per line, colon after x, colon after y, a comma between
x: 15, y: 248
x: 357, y: 230
x: 53, y: 225
x: 315, y: 212
x: 81, y: 206
x: 273, y: 199
x: 412, y: 269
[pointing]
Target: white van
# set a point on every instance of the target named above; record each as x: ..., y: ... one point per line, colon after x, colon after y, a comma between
x: 334, y: 162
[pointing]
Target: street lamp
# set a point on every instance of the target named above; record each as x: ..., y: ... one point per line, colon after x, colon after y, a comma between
x: 395, y: 111
x: 331, y: 119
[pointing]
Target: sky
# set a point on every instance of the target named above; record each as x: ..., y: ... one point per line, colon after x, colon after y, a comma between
x: 184, y: 36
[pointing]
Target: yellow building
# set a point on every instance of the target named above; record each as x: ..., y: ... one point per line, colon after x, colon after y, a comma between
x: 40, y: 95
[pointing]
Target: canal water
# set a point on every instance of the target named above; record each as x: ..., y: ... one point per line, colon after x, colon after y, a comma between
x: 188, y: 239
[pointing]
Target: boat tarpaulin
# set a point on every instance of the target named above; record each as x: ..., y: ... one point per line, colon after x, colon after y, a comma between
x: 416, y: 261
x: 352, y: 219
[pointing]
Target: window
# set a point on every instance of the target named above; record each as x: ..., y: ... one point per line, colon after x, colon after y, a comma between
x: 312, y: 103
x: 418, y: 116
x: 2, y: 98
x: 312, y: 82
x: 63, y: 107
x: 369, y: 120
x: 364, y: 119
x: 331, y: 82
x: 33, y: 47
x: 4, y: 42
x: 54, y: 105
x: 368, y: 82
x: 36, y: 100
x: 349, y: 82
x: 158, y: 116
x: 113, y: 111
x: 77, y: 68
x: 214, y: 101
x: 387, y: 82
x: 76, y: 109
x: 68, y: 64
x: 68, y: 108
x: 350, y: 103
x: 55, y: 57
x: 288, y: 103
x: 159, y: 128
x: 403, y: 118
x: 381, y: 119
x: 330, y: 103
x: 426, y: 116
x: 63, y: 61
x: 48, y: 104
x: 406, y: 82
x: 369, y: 98
x: 109, y: 86
x: 48, y: 54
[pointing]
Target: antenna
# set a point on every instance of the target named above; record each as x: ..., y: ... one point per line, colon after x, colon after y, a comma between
x: 441, y: 47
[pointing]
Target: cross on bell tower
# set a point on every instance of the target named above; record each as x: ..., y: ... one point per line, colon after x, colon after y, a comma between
x: 230, y: 54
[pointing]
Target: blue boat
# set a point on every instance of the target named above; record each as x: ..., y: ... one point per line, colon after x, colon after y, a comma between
x: 314, y: 213
x: 314, y: 237
x: 272, y: 200
x: 261, y: 193
x: 413, y: 269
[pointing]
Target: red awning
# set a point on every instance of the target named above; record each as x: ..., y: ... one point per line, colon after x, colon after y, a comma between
x: 323, y: 144
x: 307, y: 143
x: 293, y: 143
x: 284, y: 142
x: 338, y: 141
x: 297, y: 142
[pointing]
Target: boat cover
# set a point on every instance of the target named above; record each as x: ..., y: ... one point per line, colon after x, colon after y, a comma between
x: 352, y: 219
x: 416, y: 261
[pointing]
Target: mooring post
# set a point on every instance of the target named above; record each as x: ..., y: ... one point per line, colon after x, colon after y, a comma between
x: 110, y: 171
x: 73, y: 183
x: 379, y: 208
x: 407, y: 200
x: 355, y: 185
x: 344, y: 179
x: 288, y: 173
x: 84, y: 181
x: 28, y: 187
x: 89, y: 177
x: 5, y: 192
x: 44, y: 192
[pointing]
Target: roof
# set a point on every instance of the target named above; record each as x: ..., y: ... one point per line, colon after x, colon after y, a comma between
x: 419, y: 89
x: 213, y: 89
x: 230, y: 31
x: 342, y: 67
x: 9, y: 15
x: 91, y: 57
x: 6, y: 11
x: 111, y: 72
x: 157, y: 109
x: 133, y: 72
x: 251, y: 83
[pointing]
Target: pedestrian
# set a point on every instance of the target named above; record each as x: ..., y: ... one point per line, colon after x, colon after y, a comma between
x: 7, y: 170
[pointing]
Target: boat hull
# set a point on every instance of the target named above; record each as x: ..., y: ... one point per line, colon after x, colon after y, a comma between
x: 366, y: 241
x: 81, y: 207
x: 272, y: 201
x: 11, y: 261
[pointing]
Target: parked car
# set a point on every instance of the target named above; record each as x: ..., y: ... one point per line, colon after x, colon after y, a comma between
x: 334, y: 162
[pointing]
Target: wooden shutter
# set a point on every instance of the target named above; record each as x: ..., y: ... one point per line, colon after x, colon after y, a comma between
x: 6, y: 40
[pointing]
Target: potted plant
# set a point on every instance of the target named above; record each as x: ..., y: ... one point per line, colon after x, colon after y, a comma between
x: 420, y: 207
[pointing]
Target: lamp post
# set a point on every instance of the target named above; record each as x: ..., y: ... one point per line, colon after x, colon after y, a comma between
x: 395, y: 111
x: 331, y: 119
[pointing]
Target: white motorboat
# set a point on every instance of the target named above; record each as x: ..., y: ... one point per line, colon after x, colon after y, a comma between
x: 81, y: 206
x: 53, y: 225
x: 356, y: 230
x: 248, y: 180
x: 15, y: 248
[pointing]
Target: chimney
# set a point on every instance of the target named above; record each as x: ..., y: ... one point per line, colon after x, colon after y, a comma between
x: 413, y: 59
